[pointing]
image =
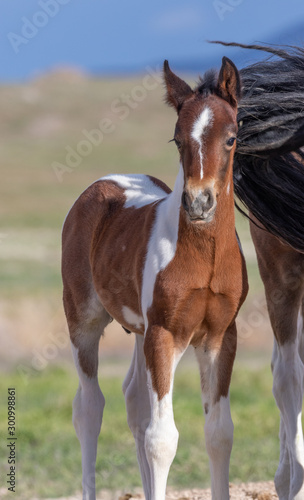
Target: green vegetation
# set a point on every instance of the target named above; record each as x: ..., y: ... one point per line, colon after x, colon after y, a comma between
x: 49, y: 460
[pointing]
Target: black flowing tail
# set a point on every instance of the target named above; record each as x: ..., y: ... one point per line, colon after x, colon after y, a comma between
x: 269, y: 164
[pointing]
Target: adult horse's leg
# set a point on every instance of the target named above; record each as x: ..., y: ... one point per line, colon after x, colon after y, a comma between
x: 282, y: 273
x: 288, y: 391
x: 215, y: 370
x: 161, y: 435
x: 282, y: 477
x: 86, y: 326
x: 138, y: 408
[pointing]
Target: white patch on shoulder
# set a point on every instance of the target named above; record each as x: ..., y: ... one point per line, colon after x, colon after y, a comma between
x: 140, y: 190
x: 198, y: 129
x: 228, y: 188
x: 162, y: 243
x: 132, y: 318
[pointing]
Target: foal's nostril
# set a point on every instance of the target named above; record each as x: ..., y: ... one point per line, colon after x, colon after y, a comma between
x: 185, y: 201
x: 207, y: 199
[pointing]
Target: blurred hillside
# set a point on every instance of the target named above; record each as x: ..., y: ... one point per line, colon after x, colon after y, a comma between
x: 58, y: 134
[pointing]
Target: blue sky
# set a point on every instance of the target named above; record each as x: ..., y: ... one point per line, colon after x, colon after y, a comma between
x: 117, y: 36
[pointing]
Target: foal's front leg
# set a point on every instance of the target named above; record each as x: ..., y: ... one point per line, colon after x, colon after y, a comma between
x: 215, y: 369
x: 161, y: 436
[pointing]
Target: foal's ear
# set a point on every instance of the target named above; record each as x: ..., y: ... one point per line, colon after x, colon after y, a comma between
x: 229, y: 82
x: 177, y: 90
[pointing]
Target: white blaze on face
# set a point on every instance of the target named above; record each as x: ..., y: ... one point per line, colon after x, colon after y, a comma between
x: 199, y: 127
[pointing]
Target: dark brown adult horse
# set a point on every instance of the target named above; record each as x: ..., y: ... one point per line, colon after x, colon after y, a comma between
x: 269, y: 179
x: 167, y: 266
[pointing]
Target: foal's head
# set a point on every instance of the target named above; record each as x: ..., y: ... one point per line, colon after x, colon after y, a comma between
x: 205, y: 135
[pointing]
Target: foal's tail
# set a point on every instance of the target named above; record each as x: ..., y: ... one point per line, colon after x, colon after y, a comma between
x: 269, y: 164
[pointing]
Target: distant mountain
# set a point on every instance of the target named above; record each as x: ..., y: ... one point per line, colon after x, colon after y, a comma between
x: 292, y: 36
x: 241, y: 57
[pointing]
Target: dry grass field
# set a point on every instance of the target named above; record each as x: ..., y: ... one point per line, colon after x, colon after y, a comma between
x: 45, y: 165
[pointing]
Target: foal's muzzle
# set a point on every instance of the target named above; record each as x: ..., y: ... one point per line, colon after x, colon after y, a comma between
x: 200, y: 205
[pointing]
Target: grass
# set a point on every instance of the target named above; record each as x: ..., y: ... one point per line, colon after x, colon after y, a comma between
x: 40, y: 120
x: 49, y: 460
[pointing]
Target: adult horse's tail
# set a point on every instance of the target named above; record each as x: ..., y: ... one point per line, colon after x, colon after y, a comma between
x: 269, y: 162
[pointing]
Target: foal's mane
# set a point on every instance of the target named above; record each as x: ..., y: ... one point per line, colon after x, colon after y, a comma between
x: 207, y: 84
x: 268, y: 176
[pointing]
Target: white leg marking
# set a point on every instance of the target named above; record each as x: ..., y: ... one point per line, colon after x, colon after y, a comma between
x: 161, y: 438
x: 88, y: 408
x: 138, y: 409
x: 301, y: 335
x: 132, y: 318
x: 282, y: 476
x: 288, y: 392
x: 162, y: 242
x: 199, y: 126
x: 131, y: 371
x: 218, y: 424
x: 219, y: 438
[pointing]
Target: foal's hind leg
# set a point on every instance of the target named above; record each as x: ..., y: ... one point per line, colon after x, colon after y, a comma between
x: 281, y: 270
x: 89, y: 402
x: 136, y: 393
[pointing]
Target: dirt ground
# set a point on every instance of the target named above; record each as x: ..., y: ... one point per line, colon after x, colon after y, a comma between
x: 255, y: 491
x: 258, y: 491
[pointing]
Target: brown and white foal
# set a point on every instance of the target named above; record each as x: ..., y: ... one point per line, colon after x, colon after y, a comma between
x: 167, y: 266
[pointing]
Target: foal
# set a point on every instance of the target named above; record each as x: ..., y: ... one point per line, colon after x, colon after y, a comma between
x: 167, y: 266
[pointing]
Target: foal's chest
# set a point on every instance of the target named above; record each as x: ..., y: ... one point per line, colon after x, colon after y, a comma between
x: 189, y: 297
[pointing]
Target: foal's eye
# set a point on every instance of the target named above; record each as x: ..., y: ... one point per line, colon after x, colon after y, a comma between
x: 231, y: 141
x: 178, y: 143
